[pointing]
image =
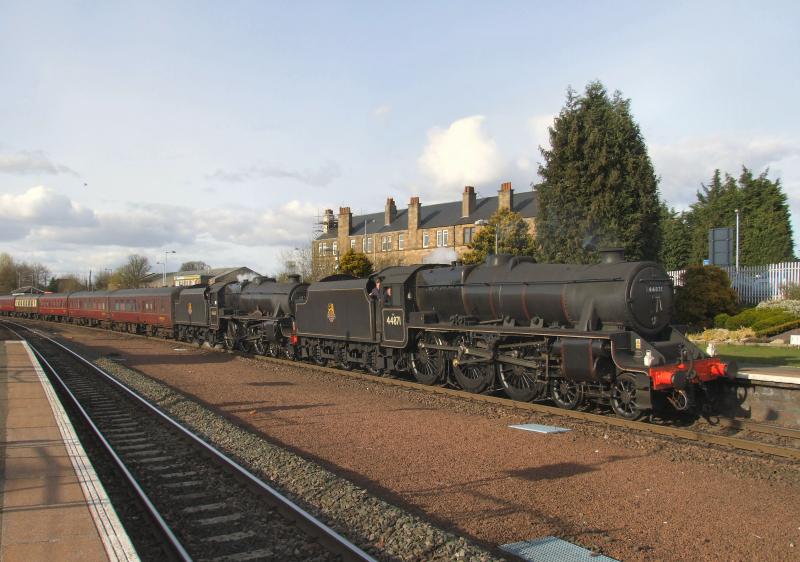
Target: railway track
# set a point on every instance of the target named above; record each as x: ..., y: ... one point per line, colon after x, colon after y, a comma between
x: 206, y: 506
x: 788, y: 438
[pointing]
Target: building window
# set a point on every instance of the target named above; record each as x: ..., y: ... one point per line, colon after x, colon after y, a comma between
x: 369, y: 244
x: 386, y: 244
x: 426, y: 239
x: 438, y: 238
x: 445, y: 237
x: 469, y: 232
x: 323, y: 248
x: 353, y: 244
x: 335, y: 248
x: 401, y: 241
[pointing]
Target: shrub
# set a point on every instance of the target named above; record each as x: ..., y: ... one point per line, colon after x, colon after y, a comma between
x: 759, y: 318
x: 791, y: 291
x: 706, y: 292
x: 791, y: 306
x: 779, y: 329
x: 721, y: 319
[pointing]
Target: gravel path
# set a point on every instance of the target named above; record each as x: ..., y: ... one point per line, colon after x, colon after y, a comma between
x: 633, y: 497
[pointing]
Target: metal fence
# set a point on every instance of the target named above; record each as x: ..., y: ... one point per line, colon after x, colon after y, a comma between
x: 756, y: 283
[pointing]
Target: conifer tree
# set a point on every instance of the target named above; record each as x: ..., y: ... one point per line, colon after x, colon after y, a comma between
x: 599, y: 188
x: 676, y: 242
x: 765, y: 232
x: 354, y: 263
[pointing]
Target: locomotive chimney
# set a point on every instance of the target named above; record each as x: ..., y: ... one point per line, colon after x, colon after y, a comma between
x: 505, y: 197
x: 612, y: 255
x: 293, y: 278
x: 468, y: 201
x: 390, y: 212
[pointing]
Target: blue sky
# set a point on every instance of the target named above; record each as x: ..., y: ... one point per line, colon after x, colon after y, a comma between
x: 220, y: 130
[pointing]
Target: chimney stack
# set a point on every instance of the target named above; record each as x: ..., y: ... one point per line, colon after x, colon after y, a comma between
x: 345, y: 225
x: 468, y: 201
x: 505, y: 197
x: 327, y: 221
x: 390, y: 212
x: 413, y: 215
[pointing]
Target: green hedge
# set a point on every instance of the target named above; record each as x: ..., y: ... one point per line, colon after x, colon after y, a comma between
x: 759, y: 319
x: 778, y: 329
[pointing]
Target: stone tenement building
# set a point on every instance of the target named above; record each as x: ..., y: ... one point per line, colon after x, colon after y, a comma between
x: 410, y: 235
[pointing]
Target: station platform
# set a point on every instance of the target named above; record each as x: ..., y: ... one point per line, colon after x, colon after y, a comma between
x: 53, y: 507
x: 778, y: 375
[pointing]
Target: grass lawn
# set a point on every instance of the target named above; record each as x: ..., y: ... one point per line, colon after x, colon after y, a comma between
x: 761, y: 355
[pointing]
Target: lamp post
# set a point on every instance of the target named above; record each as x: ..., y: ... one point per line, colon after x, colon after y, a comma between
x: 166, y: 253
x: 366, y: 242
x: 484, y: 222
x: 737, y: 238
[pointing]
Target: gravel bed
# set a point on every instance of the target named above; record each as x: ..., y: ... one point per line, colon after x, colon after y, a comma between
x: 740, y: 463
x: 386, y: 531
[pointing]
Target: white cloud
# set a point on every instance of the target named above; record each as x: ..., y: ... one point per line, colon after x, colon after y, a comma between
x: 49, y: 220
x: 318, y: 177
x: 461, y: 154
x: 30, y: 162
x: 43, y: 206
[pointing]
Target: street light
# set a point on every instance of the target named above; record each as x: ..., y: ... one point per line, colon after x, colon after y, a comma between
x: 366, y: 243
x: 737, y: 238
x: 166, y: 252
x: 484, y: 222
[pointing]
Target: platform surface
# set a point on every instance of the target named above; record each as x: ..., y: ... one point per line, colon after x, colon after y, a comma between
x: 783, y: 375
x: 52, y: 503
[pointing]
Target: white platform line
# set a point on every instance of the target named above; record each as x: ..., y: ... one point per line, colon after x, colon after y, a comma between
x: 763, y: 377
x: 115, y: 540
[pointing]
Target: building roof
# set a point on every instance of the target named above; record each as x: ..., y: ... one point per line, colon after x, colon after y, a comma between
x: 440, y: 214
x: 213, y: 272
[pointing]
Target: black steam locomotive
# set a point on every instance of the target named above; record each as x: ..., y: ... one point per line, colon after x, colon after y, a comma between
x: 571, y: 333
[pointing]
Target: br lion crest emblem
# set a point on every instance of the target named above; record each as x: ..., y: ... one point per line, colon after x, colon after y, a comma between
x: 331, y: 312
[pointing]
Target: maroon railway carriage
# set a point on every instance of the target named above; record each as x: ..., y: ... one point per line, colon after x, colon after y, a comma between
x: 146, y: 311
x: 26, y: 306
x: 88, y: 308
x: 53, y: 306
x: 6, y: 305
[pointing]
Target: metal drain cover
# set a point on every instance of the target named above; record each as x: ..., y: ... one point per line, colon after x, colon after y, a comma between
x: 553, y: 549
x: 538, y: 428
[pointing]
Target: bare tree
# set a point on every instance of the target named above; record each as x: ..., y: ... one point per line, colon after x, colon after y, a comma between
x: 130, y: 275
x: 101, y: 280
x: 197, y: 265
x: 70, y: 283
x: 296, y: 261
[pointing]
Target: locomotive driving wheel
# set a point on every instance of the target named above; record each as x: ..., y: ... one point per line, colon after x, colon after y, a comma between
x: 259, y: 346
x: 273, y: 349
x: 230, y: 337
x: 474, y: 377
x: 623, y: 397
x: 522, y: 383
x: 428, y: 364
x: 566, y: 394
